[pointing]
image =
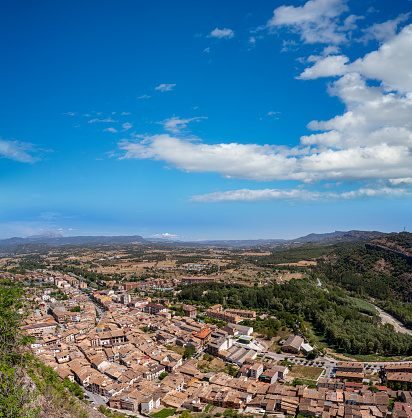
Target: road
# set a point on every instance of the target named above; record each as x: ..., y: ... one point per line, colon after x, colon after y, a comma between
x: 100, y: 311
x: 92, y: 397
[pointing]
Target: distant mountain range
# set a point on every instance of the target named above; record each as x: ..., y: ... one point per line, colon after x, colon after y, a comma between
x: 61, y: 240
x: 53, y: 238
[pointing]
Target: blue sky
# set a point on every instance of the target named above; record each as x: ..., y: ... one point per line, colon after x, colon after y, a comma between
x: 206, y: 119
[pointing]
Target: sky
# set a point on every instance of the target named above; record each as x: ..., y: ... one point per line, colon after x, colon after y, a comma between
x: 205, y: 119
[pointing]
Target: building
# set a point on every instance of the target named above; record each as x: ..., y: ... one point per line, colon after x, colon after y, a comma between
x: 154, y: 308
x: 217, y: 312
x: 41, y: 328
x: 243, y: 313
x: 350, y: 366
x: 219, y: 344
x: 292, y: 344
x: 126, y: 298
x: 195, y: 279
x: 269, y: 376
x: 203, y: 335
x: 189, y: 311
x: 256, y: 370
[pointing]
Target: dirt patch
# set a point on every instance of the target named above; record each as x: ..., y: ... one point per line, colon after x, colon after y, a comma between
x: 305, y: 372
x: 216, y: 365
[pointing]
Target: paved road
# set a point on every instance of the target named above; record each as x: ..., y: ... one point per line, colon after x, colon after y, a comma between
x: 92, y: 397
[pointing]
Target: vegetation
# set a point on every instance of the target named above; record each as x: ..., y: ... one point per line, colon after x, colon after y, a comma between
x: 189, y: 351
x: 24, y: 380
x: 164, y: 413
x: 15, y: 398
x: 372, y: 273
x: 331, y: 312
x: 305, y: 252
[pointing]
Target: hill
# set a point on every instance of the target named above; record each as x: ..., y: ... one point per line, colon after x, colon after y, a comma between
x: 318, y: 239
x: 78, y: 240
x: 380, y: 269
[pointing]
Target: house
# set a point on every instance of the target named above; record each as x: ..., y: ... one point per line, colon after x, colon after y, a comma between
x: 256, y: 370
x: 154, y: 308
x: 218, y: 344
x: 203, y: 335
x: 189, y: 311
x: 269, y: 376
x: 281, y: 370
x: 292, y: 344
x: 150, y: 402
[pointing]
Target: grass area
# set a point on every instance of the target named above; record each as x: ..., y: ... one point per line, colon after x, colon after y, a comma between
x: 177, y: 349
x: 208, y: 407
x: 364, y: 306
x: 164, y: 413
x: 310, y: 383
x: 306, y: 372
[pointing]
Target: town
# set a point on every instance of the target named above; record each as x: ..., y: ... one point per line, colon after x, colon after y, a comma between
x: 137, y: 353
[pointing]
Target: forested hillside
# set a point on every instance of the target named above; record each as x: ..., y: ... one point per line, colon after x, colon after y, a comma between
x: 344, y: 323
x: 371, y: 270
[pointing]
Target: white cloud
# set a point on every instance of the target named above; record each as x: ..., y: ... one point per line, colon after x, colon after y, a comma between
x: 391, y: 63
x: 292, y: 195
x: 69, y: 113
x: 165, y: 87
x: 329, y: 66
x: 222, y: 33
x: 126, y: 126
x: 144, y: 96
x: 165, y: 235
x: 176, y: 124
x: 107, y: 120
x: 270, y: 163
x: 125, y: 113
x: 18, y: 151
x: 272, y: 113
x: 317, y: 21
x: 330, y: 50
x: 382, y: 32
x: 113, y: 130
x: 206, y: 50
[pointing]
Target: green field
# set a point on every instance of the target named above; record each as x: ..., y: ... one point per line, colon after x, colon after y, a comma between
x: 364, y: 306
x: 164, y: 413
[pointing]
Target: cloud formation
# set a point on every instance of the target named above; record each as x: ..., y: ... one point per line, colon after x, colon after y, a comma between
x: 22, y: 152
x: 176, y: 124
x: 126, y: 126
x: 113, y: 130
x: 317, y: 21
x: 222, y: 33
x: 163, y: 88
x: 165, y: 235
x: 293, y: 195
x: 107, y: 120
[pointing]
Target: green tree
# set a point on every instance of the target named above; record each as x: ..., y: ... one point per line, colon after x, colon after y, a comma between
x: 15, y: 398
x: 189, y: 351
